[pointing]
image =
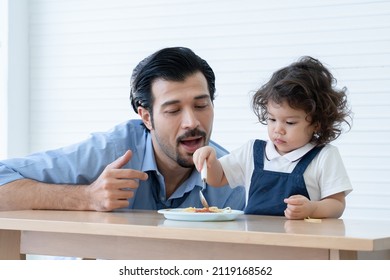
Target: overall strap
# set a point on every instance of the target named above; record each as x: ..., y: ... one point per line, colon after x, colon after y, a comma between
x: 258, y: 153
x: 306, y: 159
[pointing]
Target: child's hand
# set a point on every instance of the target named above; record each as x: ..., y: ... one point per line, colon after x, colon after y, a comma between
x: 215, y: 175
x: 202, y: 154
x: 298, y: 207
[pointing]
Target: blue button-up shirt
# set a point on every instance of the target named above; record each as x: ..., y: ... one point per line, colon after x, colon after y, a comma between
x: 82, y: 163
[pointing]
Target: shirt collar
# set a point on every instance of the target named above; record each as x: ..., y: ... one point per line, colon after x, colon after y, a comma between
x: 271, y: 152
x: 149, y: 163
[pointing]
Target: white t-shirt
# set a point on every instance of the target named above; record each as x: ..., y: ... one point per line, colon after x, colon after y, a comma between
x: 326, y: 174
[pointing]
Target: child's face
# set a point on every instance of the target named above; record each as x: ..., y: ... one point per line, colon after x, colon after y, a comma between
x: 288, y: 128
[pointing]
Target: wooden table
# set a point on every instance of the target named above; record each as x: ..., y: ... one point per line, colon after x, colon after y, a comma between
x: 148, y: 235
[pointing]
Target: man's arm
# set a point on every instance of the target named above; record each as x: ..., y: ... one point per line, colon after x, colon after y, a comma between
x: 108, y: 192
x: 30, y: 194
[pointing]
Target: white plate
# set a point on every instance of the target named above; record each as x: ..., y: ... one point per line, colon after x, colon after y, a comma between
x: 179, y: 214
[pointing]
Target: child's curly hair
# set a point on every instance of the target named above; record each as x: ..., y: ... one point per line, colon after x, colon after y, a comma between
x: 307, y: 85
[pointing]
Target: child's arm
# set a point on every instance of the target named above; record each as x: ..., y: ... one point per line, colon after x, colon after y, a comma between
x: 215, y: 174
x: 300, y: 207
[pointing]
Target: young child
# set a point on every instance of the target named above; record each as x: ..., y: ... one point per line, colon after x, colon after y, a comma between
x: 296, y: 173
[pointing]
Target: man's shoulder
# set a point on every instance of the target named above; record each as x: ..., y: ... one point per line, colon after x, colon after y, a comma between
x: 130, y: 134
x: 133, y: 127
x: 131, y: 124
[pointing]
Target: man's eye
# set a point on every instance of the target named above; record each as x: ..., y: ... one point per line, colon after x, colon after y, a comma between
x: 203, y: 106
x: 172, y: 111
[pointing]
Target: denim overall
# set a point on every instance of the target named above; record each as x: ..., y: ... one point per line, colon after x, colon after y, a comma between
x: 268, y: 189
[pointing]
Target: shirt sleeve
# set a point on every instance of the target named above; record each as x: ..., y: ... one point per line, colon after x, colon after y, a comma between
x: 80, y: 163
x: 327, y: 175
x: 238, y: 165
x: 75, y: 164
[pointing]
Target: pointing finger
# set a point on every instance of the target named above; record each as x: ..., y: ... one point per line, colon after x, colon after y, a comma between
x: 121, y: 161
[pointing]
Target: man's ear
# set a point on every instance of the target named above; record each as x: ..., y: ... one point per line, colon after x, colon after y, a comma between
x: 145, y: 116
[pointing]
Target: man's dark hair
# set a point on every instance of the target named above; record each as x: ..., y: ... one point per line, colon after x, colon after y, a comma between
x: 170, y: 64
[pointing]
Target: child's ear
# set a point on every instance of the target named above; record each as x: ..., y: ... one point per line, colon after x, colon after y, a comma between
x: 317, y: 127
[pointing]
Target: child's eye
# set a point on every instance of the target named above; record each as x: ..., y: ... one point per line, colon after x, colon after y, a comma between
x: 271, y: 119
x: 291, y: 122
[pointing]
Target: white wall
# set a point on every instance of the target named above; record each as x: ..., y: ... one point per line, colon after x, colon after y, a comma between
x: 82, y: 54
x: 3, y: 75
x: 14, y: 78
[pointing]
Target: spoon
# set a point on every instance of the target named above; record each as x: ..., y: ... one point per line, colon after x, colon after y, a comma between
x: 203, y: 175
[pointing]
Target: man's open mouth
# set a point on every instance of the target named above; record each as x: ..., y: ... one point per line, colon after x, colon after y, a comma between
x: 192, y: 144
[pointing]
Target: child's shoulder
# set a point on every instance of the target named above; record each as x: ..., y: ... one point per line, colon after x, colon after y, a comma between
x: 329, y: 152
x: 329, y: 148
x: 245, y: 148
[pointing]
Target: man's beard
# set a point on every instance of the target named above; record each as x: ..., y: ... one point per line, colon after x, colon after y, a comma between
x: 184, y: 162
x: 180, y: 160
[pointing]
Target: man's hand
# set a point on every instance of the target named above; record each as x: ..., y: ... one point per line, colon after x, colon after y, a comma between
x: 115, y: 185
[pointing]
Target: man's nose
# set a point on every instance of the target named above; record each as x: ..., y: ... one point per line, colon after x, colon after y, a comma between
x: 190, y: 119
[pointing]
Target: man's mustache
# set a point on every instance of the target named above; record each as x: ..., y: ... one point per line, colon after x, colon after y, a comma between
x: 191, y: 133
